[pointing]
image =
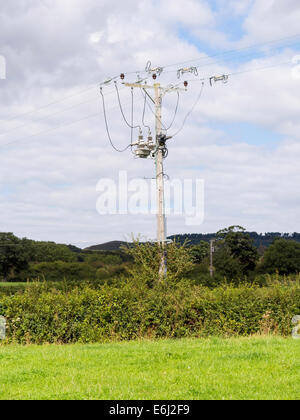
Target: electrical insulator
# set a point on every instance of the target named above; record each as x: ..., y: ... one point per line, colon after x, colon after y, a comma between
x: 186, y: 84
x: 122, y: 76
x: 151, y: 145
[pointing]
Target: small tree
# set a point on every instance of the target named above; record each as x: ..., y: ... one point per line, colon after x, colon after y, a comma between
x: 147, y: 257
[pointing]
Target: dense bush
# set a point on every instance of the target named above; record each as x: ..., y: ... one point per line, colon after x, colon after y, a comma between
x: 236, y: 255
x: 51, y: 252
x: 59, y: 270
x: 92, y: 315
x: 283, y: 256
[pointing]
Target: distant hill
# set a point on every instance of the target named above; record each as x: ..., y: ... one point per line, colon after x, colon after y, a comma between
x: 262, y: 240
x: 108, y: 246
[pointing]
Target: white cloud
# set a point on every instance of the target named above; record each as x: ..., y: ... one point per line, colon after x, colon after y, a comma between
x: 55, y: 49
x: 272, y: 19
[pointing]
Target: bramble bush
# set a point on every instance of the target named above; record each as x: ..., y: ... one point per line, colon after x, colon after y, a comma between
x: 86, y: 314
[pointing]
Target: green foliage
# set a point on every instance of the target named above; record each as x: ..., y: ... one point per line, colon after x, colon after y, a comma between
x: 14, y: 254
x: 200, y: 252
x: 147, y: 259
x: 59, y: 271
x: 283, y: 256
x: 51, y: 252
x: 100, y: 259
x: 86, y: 314
x: 235, y: 256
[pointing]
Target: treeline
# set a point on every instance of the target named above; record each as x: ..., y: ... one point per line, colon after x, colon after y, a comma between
x: 236, y: 259
x: 260, y: 240
x: 135, y: 301
x: 24, y: 260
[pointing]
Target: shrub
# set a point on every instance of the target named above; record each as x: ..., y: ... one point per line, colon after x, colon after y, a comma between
x: 59, y: 270
x: 41, y: 315
x: 147, y: 260
x: 283, y: 256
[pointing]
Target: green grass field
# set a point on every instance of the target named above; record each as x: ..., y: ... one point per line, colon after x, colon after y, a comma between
x: 245, y: 368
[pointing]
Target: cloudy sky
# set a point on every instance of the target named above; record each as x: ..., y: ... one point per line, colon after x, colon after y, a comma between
x: 243, y: 138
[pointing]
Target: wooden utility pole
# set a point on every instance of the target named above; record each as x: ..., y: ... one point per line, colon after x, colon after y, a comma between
x: 211, y: 265
x: 161, y: 217
x: 160, y: 144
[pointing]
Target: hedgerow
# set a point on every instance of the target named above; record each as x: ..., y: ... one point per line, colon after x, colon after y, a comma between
x: 88, y: 315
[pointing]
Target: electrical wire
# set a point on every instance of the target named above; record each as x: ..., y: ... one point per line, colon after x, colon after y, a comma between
x: 260, y: 68
x: 228, y: 60
x: 53, y: 114
x: 159, y: 119
x: 137, y: 72
x: 94, y: 115
x: 242, y: 72
x: 107, y: 128
x: 64, y: 98
x: 48, y: 116
x: 144, y: 111
x: 175, y: 113
x: 49, y: 104
x: 121, y: 109
x: 143, y: 71
x: 190, y: 111
x: 49, y: 130
x: 232, y: 51
x: 156, y: 117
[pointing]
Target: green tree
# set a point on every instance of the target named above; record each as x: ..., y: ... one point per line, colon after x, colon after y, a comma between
x: 236, y: 255
x: 51, y: 252
x: 200, y: 252
x: 14, y: 254
x: 282, y: 256
x: 147, y: 258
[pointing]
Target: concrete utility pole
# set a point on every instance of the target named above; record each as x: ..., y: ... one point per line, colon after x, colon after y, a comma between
x: 160, y: 147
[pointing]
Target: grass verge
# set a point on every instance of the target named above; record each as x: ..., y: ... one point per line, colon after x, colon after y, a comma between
x: 210, y: 369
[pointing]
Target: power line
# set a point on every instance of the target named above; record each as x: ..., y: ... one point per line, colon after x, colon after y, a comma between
x: 161, y: 122
x: 143, y: 71
x: 144, y: 111
x: 94, y: 115
x: 190, y: 111
x: 149, y: 106
x: 64, y: 98
x: 121, y: 109
x: 243, y: 71
x: 175, y: 113
x: 48, y: 116
x: 54, y: 114
x: 49, y: 104
x: 49, y: 130
x: 230, y: 59
x: 231, y: 51
x: 107, y: 128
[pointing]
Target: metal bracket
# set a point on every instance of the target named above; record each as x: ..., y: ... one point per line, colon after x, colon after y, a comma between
x: 224, y: 78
